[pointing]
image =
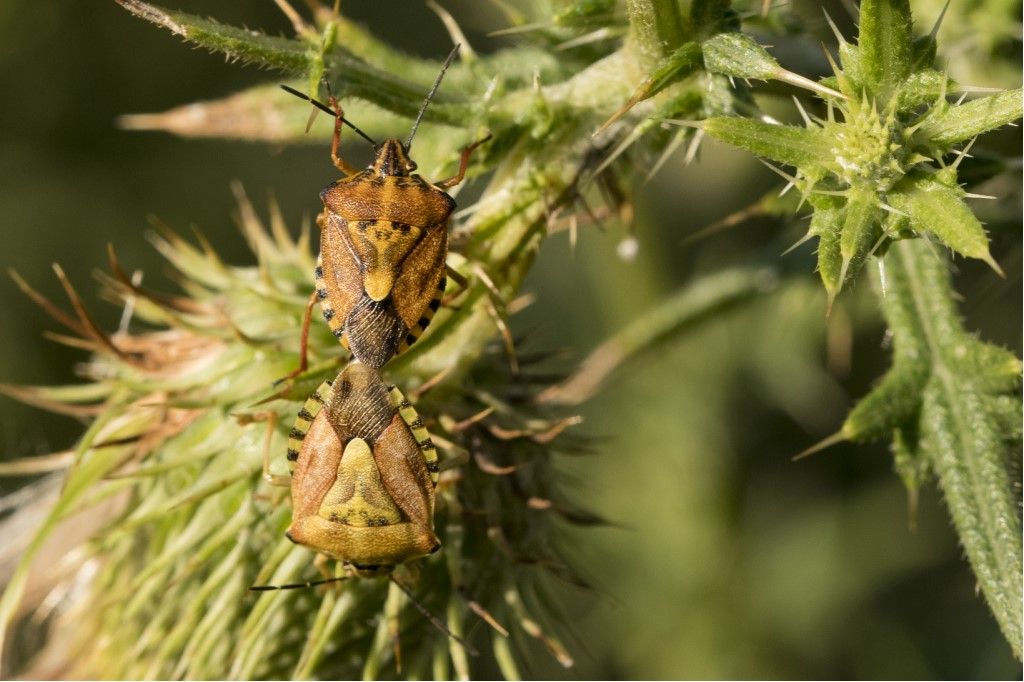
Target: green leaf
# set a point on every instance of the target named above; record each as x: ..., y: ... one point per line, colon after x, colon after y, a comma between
x: 937, y: 208
x: 851, y: 78
x: 910, y: 463
x: 1005, y: 410
x: 352, y: 77
x: 861, y: 229
x: 885, y: 44
x: 891, y: 404
x: 791, y: 145
x: 947, y: 126
x: 967, y: 452
x: 995, y: 369
x: 738, y: 55
x: 827, y: 225
x: 356, y: 78
x: 922, y: 53
x: 585, y: 13
x: 292, y: 56
x: 922, y: 87
x: 684, y: 61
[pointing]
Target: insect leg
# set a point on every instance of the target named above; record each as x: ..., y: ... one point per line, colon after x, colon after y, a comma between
x: 339, y: 117
x: 434, y: 620
x: 296, y: 586
x: 272, y: 479
x: 463, y: 164
x: 307, y: 318
x: 320, y: 563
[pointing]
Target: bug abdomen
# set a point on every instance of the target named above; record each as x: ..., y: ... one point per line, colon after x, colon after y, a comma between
x: 371, y: 330
x: 303, y: 420
x: 374, y: 331
x: 428, y: 314
x: 379, y: 283
x: 335, y: 322
x: 407, y: 411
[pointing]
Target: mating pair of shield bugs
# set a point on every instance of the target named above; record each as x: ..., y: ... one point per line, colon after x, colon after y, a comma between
x: 363, y: 467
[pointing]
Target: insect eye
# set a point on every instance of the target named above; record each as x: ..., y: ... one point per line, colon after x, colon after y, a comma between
x: 411, y: 166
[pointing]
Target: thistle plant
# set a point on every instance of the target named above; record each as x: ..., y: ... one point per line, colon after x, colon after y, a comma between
x: 880, y: 175
x: 185, y: 398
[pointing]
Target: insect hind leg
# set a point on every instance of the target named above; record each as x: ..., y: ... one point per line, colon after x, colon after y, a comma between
x: 273, y: 479
x: 307, y: 320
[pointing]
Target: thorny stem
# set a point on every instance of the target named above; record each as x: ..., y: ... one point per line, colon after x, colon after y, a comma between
x: 958, y: 438
x: 511, y: 218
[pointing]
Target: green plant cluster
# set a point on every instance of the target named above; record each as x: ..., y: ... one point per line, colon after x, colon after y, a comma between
x: 880, y: 175
x: 875, y: 170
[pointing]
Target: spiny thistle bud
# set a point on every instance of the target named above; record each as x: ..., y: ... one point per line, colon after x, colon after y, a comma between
x: 866, y: 147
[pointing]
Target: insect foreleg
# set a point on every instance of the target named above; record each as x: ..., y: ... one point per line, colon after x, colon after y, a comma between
x: 467, y: 151
x: 339, y: 116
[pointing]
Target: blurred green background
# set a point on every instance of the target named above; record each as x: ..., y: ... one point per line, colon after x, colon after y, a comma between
x: 725, y: 559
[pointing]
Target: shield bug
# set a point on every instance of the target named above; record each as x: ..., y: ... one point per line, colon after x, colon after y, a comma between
x: 383, y: 244
x: 363, y: 474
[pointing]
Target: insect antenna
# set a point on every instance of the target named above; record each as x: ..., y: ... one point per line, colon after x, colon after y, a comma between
x: 434, y: 620
x: 296, y: 586
x: 430, y: 95
x: 323, y: 107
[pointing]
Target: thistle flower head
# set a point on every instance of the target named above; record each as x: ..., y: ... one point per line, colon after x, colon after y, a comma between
x: 867, y: 148
x: 886, y: 140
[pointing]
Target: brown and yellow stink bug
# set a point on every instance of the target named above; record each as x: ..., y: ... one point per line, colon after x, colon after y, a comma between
x: 383, y: 243
x: 363, y: 471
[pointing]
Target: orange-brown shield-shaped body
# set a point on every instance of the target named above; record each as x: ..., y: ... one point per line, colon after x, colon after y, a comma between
x: 383, y: 243
x: 362, y: 486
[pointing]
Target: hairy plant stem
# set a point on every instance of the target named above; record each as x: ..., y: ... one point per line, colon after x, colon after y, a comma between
x: 510, y: 220
x: 657, y: 28
x: 958, y: 436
